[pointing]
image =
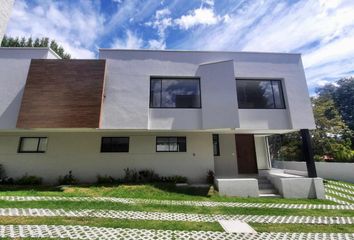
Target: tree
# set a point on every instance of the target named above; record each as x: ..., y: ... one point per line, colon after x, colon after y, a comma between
x: 43, y: 42
x: 332, y: 135
x: 330, y: 138
x: 343, y: 95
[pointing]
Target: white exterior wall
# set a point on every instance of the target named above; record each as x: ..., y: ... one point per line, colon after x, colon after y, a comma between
x: 226, y: 163
x: 80, y: 152
x: 14, y: 66
x: 5, y: 13
x: 126, y: 104
x: 327, y: 170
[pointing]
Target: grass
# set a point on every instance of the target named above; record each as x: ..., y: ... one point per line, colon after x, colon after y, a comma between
x: 176, y: 225
x: 110, y: 223
x: 145, y: 191
x: 173, y: 208
x: 161, y: 192
x: 260, y: 227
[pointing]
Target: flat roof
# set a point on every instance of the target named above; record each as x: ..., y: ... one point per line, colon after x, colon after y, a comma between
x: 32, y: 49
x: 193, y: 51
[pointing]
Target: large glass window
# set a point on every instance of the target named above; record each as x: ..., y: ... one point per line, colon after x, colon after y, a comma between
x: 32, y: 145
x: 260, y: 94
x: 171, y: 144
x: 174, y: 93
x: 115, y: 144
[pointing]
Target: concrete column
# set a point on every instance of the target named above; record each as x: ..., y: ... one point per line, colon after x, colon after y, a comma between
x: 308, y: 153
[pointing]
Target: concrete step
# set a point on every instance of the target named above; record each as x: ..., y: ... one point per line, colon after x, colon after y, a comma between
x: 265, y: 185
x: 263, y: 180
x: 268, y: 191
x: 269, y: 195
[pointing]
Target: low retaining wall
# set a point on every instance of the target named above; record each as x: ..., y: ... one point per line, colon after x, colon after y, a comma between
x: 237, y: 187
x: 336, y: 171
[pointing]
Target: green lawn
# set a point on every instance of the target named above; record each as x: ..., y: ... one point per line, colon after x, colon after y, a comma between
x: 161, y: 192
x: 145, y: 191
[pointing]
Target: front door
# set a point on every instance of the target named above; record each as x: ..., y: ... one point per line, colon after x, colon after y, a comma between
x: 246, y: 154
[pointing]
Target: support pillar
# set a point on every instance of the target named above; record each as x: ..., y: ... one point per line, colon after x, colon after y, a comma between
x: 308, y: 153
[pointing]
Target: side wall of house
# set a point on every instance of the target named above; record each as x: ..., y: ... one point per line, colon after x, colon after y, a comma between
x: 80, y: 152
x: 226, y: 163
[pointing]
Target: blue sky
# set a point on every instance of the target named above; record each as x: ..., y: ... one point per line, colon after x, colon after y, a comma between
x: 322, y: 30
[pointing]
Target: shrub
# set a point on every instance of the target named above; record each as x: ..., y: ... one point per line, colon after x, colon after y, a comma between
x: 174, y: 179
x: 148, y: 176
x: 210, y: 177
x: 28, y: 180
x: 68, y: 179
x: 130, y: 175
x: 105, y: 179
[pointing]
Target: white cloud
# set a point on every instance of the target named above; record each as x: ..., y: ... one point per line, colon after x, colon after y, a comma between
x: 75, y: 27
x: 322, y: 30
x: 156, y: 44
x: 199, y: 16
x: 130, y: 41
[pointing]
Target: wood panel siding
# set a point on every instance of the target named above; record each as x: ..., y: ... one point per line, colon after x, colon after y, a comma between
x: 63, y: 94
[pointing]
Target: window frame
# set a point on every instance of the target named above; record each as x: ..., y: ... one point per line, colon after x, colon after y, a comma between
x: 217, y: 145
x: 281, y: 91
x: 38, y: 143
x: 185, y: 139
x: 174, y: 78
x: 111, y: 143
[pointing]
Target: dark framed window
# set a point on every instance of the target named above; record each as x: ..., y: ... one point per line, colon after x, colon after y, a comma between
x: 171, y: 144
x: 216, y: 145
x: 260, y: 94
x: 32, y: 145
x: 115, y: 144
x: 175, y: 93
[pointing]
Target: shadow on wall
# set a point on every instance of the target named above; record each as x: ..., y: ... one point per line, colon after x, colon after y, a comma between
x: 8, y: 118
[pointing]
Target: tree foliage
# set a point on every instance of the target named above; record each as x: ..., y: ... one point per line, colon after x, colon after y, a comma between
x: 333, y: 110
x: 38, y: 42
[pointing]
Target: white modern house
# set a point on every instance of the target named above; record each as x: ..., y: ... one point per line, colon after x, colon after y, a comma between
x: 176, y: 112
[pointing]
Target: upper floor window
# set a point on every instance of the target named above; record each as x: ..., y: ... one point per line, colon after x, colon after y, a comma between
x: 32, y: 145
x: 175, y: 93
x: 260, y: 94
x: 115, y: 144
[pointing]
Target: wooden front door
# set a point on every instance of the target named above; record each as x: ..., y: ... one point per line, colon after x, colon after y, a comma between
x: 246, y: 154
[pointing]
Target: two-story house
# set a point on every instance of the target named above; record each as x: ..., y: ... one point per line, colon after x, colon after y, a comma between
x: 176, y: 112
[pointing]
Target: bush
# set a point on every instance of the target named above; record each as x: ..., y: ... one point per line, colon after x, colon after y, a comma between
x: 28, y: 180
x: 174, y: 179
x: 210, y: 177
x: 148, y: 176
x: 68, y: 179
x: 105, y: 179
x: 130, y: 175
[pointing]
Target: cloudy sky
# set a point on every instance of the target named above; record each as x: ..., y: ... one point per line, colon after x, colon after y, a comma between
x: 322, y: 30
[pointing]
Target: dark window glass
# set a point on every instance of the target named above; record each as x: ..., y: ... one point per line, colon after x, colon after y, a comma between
x: 115, y: 144
x: 171, y: 144
x: 216, y: 146
x: 175, y: 93
x: 32, y: 145
x: 260, y: 94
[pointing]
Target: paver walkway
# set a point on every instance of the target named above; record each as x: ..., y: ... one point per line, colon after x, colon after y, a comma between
x: 184, y: 203
x: 88, y: 233
x: 164, y: 216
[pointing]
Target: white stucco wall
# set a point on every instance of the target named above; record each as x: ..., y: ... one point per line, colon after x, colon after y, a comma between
x: 327, y: 170
x: 126, y: 103
x: 5, y: 13
x: 14, y: 65
x: 80, y: 152
x: 226, y: 163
